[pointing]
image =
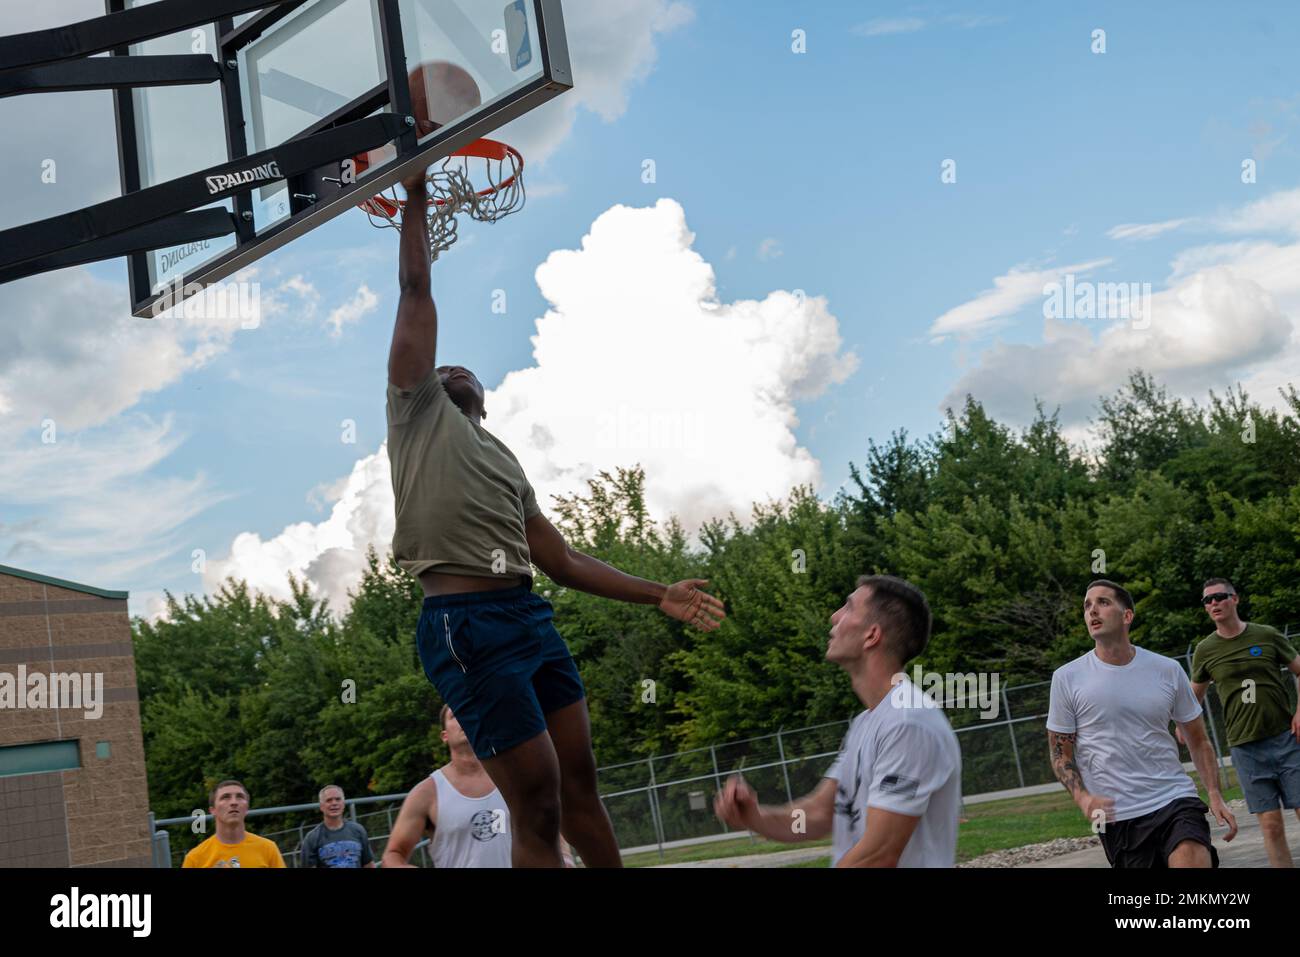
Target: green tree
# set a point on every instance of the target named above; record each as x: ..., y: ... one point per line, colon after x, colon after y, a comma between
x: 781, y: 577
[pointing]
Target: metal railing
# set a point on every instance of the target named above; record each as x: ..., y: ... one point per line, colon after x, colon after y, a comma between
x: 162, y: 856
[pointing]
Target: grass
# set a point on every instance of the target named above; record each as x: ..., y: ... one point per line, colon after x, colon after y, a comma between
x: 714, y: 851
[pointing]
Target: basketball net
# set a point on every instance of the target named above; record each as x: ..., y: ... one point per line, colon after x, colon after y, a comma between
x: 452, y: 193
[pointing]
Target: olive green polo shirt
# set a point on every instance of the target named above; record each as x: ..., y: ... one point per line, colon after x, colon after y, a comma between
x: 1258, y: 655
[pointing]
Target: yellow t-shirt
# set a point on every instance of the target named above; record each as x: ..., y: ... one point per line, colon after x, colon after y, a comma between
x: 252, y: 851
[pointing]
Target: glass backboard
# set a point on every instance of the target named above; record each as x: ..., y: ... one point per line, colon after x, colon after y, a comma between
x: 298, y: 68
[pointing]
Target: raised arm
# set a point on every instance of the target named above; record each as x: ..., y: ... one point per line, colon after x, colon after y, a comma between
x: 570, y: 568
x: 415, y: 335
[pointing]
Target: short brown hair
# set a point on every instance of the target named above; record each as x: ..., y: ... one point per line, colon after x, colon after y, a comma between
x: 1121, y: 593
x: 442, y: 716
x: 900, y: 607
x: 1219, y: 581
x: 212, y: 797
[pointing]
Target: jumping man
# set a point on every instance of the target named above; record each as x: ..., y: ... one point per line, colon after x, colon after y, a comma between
x: 468, y: 526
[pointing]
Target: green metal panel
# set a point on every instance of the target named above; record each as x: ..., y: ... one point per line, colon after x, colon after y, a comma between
x: 38, y: 758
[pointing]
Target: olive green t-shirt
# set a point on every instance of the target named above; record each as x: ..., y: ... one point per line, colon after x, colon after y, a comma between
x: 461, y: 496
x: 1258, y: 654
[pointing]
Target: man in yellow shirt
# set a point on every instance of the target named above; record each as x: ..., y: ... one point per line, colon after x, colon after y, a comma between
x: 232, y: 846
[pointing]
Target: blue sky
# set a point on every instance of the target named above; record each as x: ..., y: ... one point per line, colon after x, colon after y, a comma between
x: 818, y: 172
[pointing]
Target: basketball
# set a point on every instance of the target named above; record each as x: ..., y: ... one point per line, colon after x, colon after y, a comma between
x: 440, y: 93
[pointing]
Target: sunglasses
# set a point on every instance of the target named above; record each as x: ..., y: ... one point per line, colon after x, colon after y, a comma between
x: 1217, y: 596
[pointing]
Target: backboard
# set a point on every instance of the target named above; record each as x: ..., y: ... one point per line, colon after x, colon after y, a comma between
x: 243, y: 154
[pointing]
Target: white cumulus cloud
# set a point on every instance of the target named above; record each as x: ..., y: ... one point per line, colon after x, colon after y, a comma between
x: 331, y: 554
x: 635, y: 362
x: 1226, y: 316
x: 1202, y: 331
x: 638, y: 361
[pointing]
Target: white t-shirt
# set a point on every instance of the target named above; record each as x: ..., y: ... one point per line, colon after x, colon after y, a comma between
x: 900, y: 756
x: 1120, y: 714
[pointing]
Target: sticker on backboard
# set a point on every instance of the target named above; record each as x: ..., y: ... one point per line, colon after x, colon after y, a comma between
x: 173, y: 262
x: 521, y: 50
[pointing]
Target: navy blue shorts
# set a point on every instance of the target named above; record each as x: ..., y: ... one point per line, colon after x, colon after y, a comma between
x: 497, y: 660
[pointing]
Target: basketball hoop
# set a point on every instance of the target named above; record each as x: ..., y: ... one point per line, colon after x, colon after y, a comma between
x: 452, y: 192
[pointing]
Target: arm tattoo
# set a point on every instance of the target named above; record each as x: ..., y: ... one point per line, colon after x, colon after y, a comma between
x: 1067, y: 772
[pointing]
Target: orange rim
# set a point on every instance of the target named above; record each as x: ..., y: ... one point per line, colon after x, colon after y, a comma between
x: 381, y: 205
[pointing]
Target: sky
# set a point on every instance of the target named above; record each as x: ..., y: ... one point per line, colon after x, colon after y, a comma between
x: 857, y: 215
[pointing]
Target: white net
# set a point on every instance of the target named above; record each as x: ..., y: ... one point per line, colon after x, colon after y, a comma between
x: 452, y: 192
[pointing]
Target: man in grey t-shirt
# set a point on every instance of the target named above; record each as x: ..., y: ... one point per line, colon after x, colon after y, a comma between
x: 1108, y: 734
x: 893, y: 795
x: 335, y: 842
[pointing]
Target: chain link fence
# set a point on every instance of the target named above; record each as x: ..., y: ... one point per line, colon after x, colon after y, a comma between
x: 668, y: 799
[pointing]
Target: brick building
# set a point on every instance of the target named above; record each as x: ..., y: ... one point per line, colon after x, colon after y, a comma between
x: 73, y: 791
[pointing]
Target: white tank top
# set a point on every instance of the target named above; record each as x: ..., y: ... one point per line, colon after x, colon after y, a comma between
x: 469, y: 832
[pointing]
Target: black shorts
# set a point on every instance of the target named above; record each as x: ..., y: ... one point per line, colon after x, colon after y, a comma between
x: 1147, y: 841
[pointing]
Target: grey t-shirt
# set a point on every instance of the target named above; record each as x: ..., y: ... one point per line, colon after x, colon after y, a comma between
x: 1120, y: 716
x: 900, y: 756
x: 349, y: 846
x: 461, y: 496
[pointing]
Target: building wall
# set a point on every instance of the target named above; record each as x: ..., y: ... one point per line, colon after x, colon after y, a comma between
x: 97, y: 815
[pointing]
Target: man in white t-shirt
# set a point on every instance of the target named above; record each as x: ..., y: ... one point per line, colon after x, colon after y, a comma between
x: 1108, y: 733
x: 893, y: 795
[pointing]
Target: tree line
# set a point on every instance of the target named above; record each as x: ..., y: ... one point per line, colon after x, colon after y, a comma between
x: 1001, y: 527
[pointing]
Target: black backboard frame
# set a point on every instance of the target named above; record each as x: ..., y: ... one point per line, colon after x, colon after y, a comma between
x: 333, y: 199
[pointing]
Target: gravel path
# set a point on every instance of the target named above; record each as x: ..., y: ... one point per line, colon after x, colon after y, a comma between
x: 1030, y: 853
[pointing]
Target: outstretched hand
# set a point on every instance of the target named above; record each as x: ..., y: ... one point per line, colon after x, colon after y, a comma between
x: 685, y: 602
